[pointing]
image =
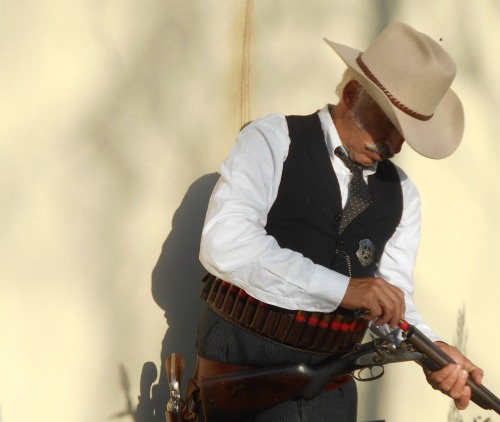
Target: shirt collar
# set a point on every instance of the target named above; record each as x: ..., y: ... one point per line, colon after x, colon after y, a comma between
x: 332, y: 137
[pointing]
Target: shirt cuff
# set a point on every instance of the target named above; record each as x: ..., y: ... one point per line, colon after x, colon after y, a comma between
x: 328, y: 287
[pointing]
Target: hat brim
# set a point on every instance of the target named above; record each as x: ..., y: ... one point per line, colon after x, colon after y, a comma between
x: 435, y: 138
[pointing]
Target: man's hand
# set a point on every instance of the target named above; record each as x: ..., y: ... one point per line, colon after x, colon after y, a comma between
x: 381, y: 300
x: 451, y: 380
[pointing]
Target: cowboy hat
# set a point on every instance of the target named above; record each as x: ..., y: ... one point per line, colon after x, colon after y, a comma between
x: 409, y: 76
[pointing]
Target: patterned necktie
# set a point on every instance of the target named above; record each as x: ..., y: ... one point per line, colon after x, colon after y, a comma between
x: 360, y: 194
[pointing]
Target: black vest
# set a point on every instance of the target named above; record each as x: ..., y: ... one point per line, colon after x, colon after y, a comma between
x: 306, y: 214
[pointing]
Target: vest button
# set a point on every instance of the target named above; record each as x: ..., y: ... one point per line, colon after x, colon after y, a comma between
x: 338, y: 217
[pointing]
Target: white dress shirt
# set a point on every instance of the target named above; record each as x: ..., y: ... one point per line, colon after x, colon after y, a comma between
x: 235, y: 246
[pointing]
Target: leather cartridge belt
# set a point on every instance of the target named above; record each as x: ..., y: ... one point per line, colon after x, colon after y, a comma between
x: 317, y: 332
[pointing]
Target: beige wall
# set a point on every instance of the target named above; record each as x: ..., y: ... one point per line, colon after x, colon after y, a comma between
x: 118, y: 113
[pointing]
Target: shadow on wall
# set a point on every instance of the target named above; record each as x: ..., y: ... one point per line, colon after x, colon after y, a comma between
x: 176, y: 283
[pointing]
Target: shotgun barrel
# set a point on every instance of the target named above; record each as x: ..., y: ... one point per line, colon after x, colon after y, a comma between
x: 435, y: 358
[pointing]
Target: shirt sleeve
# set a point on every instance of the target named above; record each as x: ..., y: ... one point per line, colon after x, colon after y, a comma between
x: 398, y: 259
x: 235, y: 245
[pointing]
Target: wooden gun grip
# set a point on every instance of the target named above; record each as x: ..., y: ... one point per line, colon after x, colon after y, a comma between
x: 175, y: 367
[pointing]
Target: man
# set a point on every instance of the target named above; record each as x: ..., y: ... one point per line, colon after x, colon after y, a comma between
x: 280, y: 233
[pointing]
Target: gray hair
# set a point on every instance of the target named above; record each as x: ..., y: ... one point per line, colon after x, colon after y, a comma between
x: 346, y: 77
x: 363, y: 99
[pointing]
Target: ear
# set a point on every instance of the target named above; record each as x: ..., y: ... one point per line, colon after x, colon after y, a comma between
x: 350, y: 93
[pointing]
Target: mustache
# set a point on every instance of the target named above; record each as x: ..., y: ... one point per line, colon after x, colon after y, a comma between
x: 383, y: 150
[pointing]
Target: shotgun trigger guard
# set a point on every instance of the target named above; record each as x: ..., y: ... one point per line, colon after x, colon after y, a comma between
x: 371, y: 376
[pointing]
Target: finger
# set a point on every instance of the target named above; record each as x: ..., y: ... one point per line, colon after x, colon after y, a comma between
x: 383, y: 302
x: 390, y: 300
x: 457, y: 390
x: 464, y: 399
x: 389, y: 317
x: 444, y: 379
x: 392, y: 304
x: 477, y: 375
x: 373, y: 311
x: 398, y: 315
x: 451, y: 380
x: 475, y: 372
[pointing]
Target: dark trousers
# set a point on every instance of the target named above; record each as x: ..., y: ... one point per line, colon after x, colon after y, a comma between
x: 223, y: 341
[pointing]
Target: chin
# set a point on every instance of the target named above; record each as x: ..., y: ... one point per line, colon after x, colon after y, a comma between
x: 368, y: 162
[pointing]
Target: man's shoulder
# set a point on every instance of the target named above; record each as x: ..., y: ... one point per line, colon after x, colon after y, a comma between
x: 278, y: 121
x: 270, y: 130
x: 274, y: 120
